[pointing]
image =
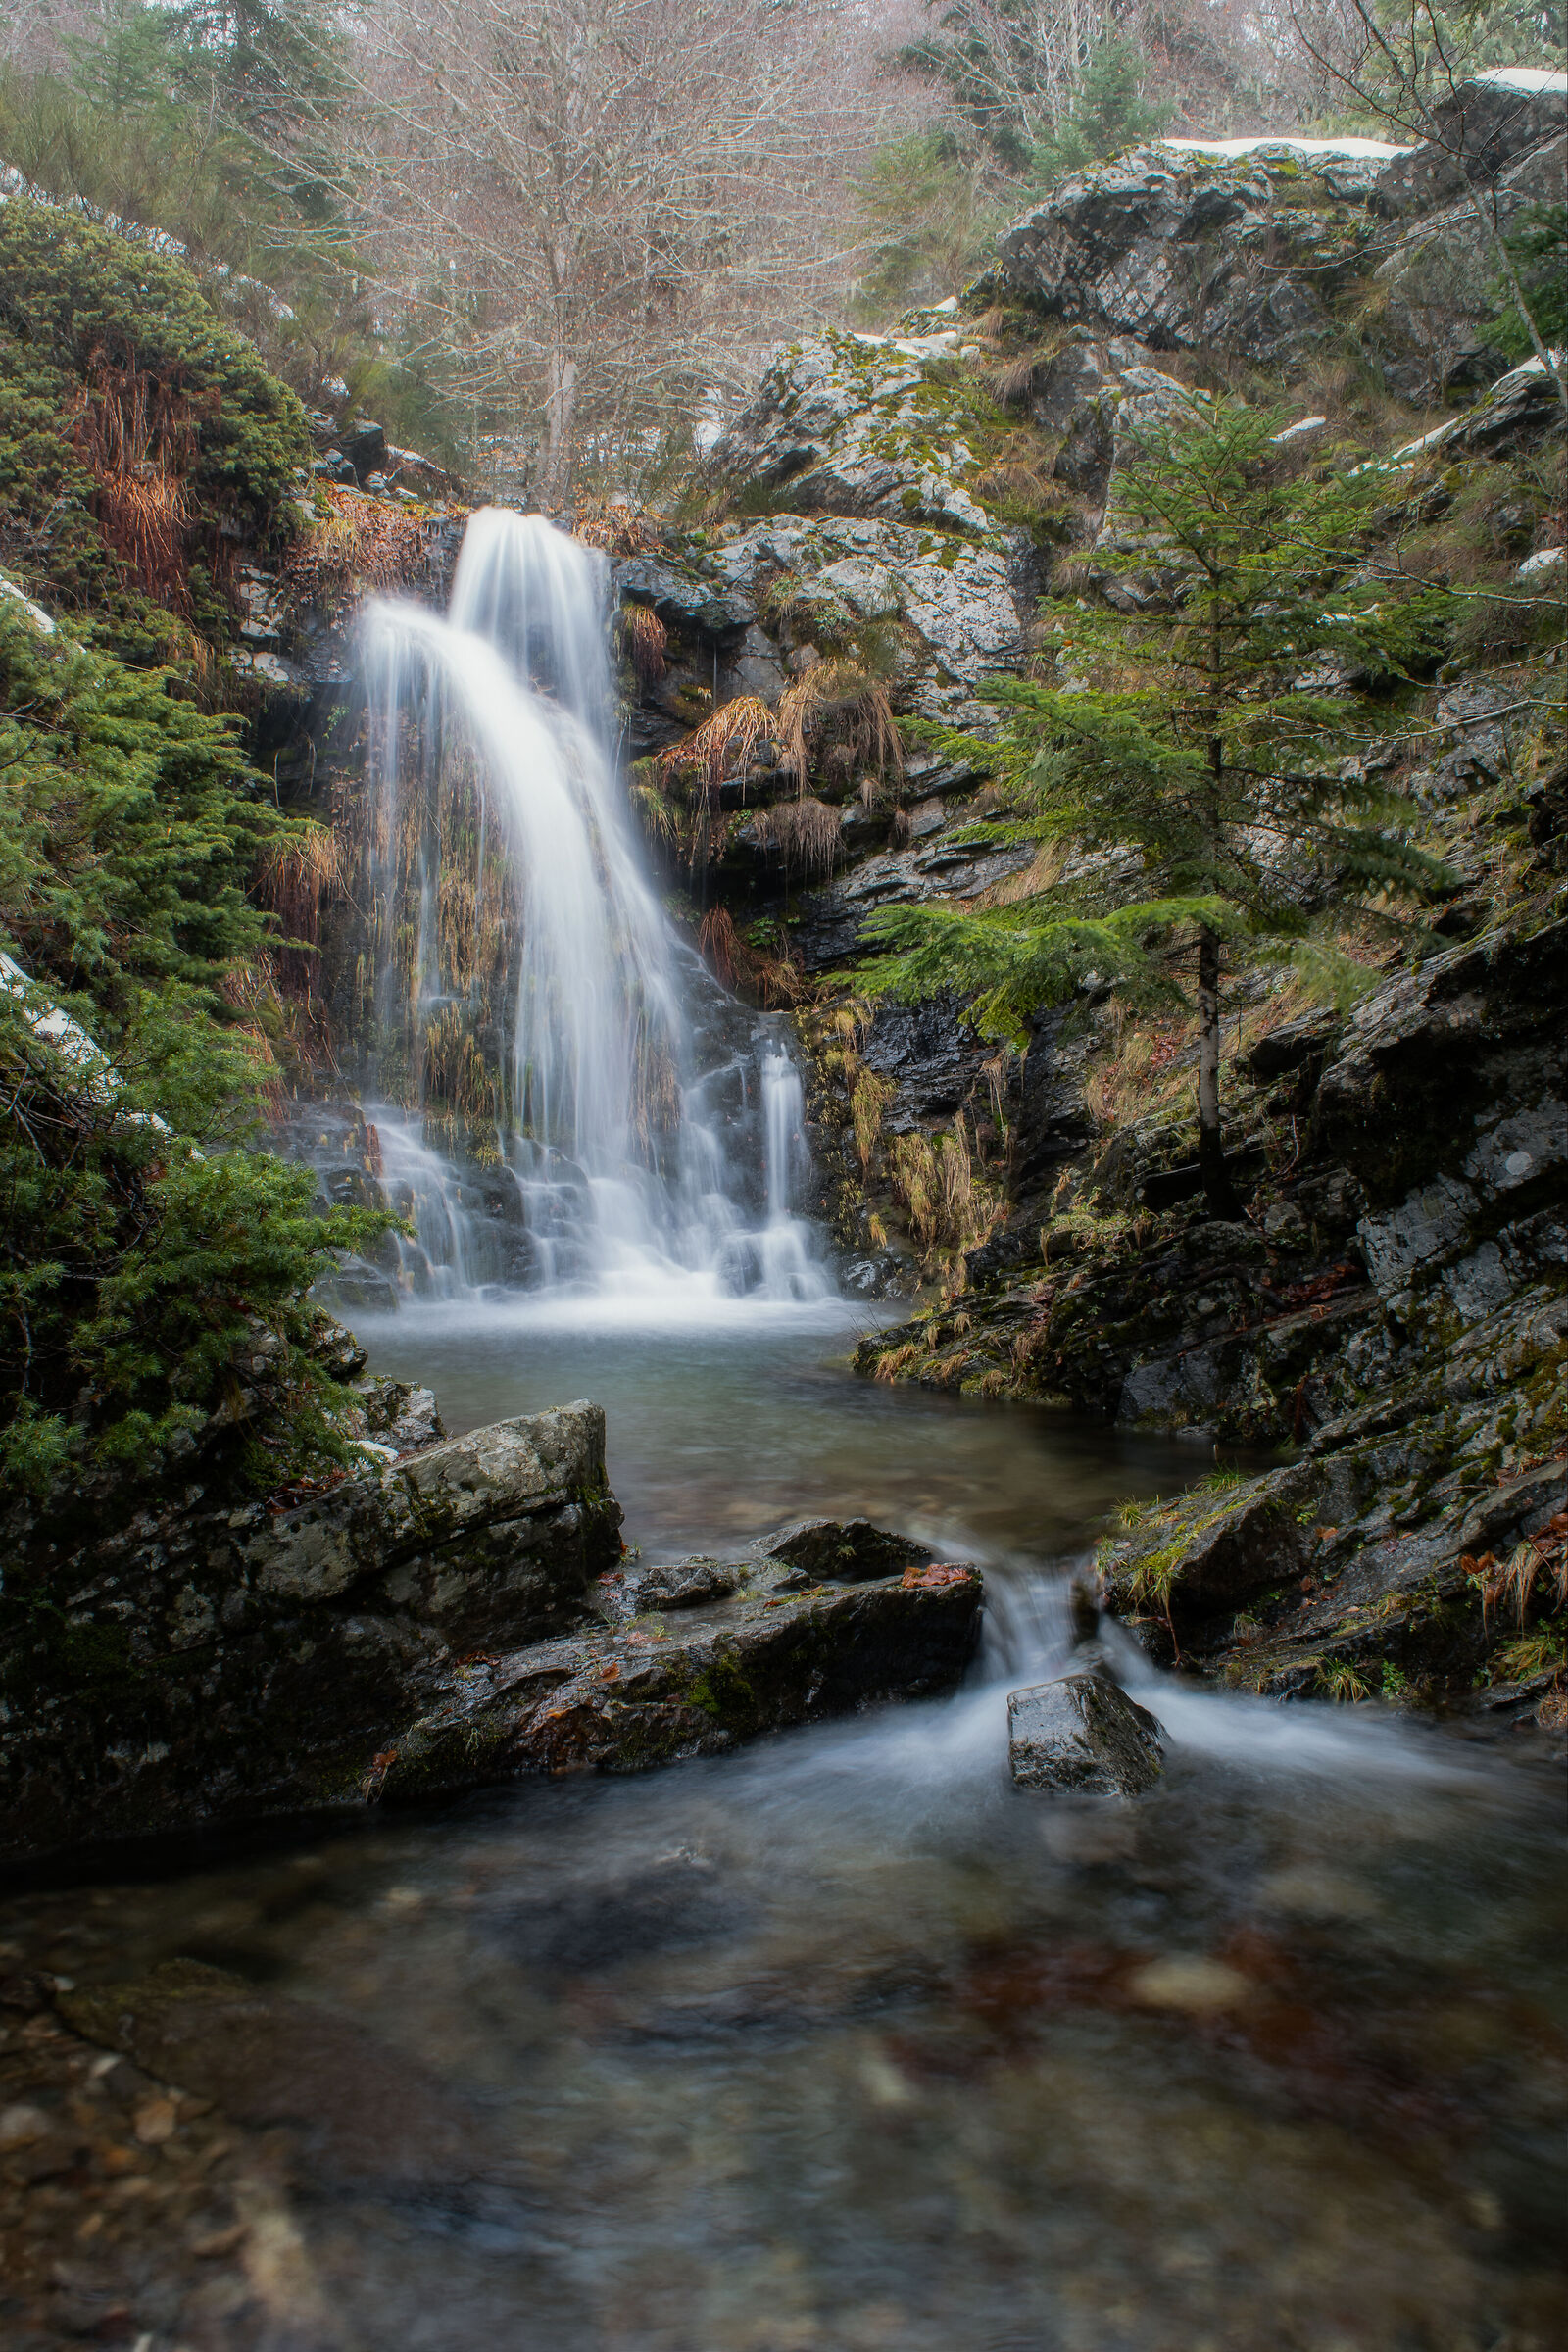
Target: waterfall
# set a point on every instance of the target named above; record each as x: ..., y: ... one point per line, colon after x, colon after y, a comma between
x: 562, y: 1094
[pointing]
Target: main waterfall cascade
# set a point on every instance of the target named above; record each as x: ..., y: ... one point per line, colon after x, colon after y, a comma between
x: 585, y: 1106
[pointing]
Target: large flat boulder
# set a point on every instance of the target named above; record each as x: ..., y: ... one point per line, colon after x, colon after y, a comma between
x: 201, y: 1655
x: 761, y: 1655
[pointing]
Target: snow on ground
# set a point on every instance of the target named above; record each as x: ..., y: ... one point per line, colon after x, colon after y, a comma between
x: 1533, y: 79
x: 1371, y: 150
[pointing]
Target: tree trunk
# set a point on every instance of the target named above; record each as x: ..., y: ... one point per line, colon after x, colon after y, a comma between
x: 561, y: 422
x: 1218, y: 1191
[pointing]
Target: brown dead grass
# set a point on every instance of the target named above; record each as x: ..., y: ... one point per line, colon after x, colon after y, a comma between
x: 616, y: 527
x: 835, y: 707
x: 355, y: 544
x: 723, y: 745
x: 296, y: 875
x: 646, y: 640
x: 807, y: 835
x: 138, y: 435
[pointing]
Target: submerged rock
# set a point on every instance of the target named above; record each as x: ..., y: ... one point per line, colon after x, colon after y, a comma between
x: 1085, y: 1735
x: 355, y: 2108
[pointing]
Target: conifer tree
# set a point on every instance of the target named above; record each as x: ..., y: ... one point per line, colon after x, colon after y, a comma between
x: 1108, y: 116
x: 1213, y: 726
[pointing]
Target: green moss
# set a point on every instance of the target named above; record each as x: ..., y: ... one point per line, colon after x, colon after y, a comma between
x: 89, y: 320
x: 723, y: 1693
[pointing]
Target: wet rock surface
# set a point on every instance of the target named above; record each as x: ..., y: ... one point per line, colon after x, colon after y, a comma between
x: 758, y: 1643
x: 1081, y: 1735
x: 204, y: 1655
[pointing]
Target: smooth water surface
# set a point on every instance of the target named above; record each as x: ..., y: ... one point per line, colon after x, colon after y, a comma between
x: 842, y: 2043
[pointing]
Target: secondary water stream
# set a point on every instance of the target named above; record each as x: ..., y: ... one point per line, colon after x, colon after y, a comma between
x: 843, y: 2043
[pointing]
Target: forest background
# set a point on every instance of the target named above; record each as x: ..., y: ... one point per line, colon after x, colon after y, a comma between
x: 547, y: 239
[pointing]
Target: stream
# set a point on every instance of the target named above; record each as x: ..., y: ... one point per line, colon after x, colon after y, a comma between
x: 843, y: 2042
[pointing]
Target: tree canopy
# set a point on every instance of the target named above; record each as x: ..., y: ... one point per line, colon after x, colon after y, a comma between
x: 1205, y: 744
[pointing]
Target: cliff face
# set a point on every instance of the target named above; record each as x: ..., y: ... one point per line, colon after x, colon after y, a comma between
x: 1392, y: 1311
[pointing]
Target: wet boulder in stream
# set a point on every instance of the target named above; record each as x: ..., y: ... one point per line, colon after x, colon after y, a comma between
x: 1084, y: 1735
x: 851, y: 1550
x: 772, y: 1651
x: 234, y: 1655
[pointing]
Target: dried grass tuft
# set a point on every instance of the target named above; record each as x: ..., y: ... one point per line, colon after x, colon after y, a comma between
x: 138, y: 435
x: 616, y: 527
x: 806, y: 834
x: 295, y: 874
x: 723, y: 745
x: 949, y: 1206
x: 718, y: 946
x: 646, y: 639
x: 356, y: 546
x: 836, y: 706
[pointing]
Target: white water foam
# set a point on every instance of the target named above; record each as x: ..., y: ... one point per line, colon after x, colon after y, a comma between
x: 649, y: 1143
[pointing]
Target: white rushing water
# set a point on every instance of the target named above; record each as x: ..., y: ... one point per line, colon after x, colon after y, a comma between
x: 568, y: 1100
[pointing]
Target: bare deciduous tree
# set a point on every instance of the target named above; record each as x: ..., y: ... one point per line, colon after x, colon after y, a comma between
x: 610, y: 204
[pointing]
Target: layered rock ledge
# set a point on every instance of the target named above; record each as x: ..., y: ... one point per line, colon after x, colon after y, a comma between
x: 759, y: 1648
x: 447, y: 1618
x: 200, y: 1659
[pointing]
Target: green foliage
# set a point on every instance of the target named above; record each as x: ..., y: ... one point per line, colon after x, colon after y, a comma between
x: 930, y: 218
x: 1013, y: 959
x: 95, y: 334
x: 1208, y: 725
x: 213, y: 121
x: 140, y: 1245
x: 1110, y: 113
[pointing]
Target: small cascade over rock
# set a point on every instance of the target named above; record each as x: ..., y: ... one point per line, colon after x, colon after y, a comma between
x: 561, y: 1094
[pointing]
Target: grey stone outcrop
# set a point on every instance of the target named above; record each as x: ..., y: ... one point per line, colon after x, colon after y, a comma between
x: 1083, y: 1736
x: 204, y: 1655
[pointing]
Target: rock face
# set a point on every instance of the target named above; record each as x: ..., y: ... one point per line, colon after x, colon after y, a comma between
x: 204, y: 1658
x: 1396, y: 1304
x: 946, y: 607
x: 1269, y: 255
x: 859, y: 424
x: 1437, y: 289
x: 1156, y: 247
x: 759, y: 1650
x: 1084, y: 1737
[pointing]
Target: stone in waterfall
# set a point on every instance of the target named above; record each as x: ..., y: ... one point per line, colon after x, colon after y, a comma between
x: 1084, y: 1735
